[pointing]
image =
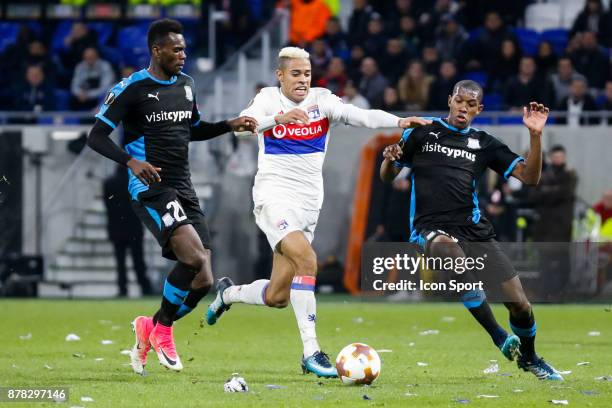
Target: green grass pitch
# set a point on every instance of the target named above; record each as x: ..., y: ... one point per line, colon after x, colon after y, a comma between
x: 263, y: 345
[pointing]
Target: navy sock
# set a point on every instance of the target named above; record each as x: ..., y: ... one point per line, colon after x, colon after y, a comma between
x: 176, y: 290
x: 191, y: 301
x: 525, y: 327
x: 476, y: 303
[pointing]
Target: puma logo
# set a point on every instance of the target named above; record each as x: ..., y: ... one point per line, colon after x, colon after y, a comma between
x: 156, y: 96
x: 435, y: 134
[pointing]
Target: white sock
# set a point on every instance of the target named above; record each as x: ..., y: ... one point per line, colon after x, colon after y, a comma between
x: 252, y: 294
x: 305, y: 308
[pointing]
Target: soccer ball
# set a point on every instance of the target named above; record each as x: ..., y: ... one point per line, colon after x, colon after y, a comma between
x: 358, y: 363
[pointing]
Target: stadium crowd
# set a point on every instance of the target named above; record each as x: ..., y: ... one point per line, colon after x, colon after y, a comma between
x: 401, y: 55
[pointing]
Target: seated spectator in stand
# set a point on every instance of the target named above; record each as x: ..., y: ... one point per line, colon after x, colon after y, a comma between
x: 391, y: 102
x: 578, y: 101
x: 546, y: 59
x: 358, y: 22
x: 127, y: 70
x: 35, y: 94
x: 92, y: 78
x: 430, y: 19
x: 335, y: 78
x: 431, y: 61
x: 593, y: 18
x: 442, y: 87
x: 78, y: 40
x: 563, y: 79
x: 372, y: 84
x: 508, y: 65
x: 485, y: 53
x: 395, y: 11
x: 37, y: 54
x: 395, y: 59
x: 354, y: 65
x: 320, y: 55
x: 308, y: 21
x: 375, y: 42
x: 335, y: 38
x: 409, y: 35
x: 352, y: 96
x: 451, y: 39
x: 526, y: 87
x: 413, y: 87
x: 606, y: 104
x: 591, y: 60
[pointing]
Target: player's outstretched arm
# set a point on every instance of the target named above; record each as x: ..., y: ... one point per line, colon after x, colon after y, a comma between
x: 388, y: 171
x: 100, y: 142
x: 207, y: 130
x: 534, y: 118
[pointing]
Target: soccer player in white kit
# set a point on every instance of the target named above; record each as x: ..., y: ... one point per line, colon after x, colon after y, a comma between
x: 293, y: 133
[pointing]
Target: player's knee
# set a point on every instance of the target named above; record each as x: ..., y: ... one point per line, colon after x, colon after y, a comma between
x: 445, y: 247
x: 277, y: 300
x: 197, y: 260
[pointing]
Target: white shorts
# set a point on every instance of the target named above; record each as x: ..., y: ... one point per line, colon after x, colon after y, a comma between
x: 279, y: 219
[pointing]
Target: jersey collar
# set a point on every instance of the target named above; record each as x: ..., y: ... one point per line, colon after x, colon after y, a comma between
x: 451, y: 127
x: 159, y: 81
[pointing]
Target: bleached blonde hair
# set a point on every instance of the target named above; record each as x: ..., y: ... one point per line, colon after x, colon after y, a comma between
x: 288, y: 53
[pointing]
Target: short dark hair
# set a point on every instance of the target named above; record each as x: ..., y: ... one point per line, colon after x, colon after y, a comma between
x: 469, y: 85
x: 159, y: 30
x: 557, y: 148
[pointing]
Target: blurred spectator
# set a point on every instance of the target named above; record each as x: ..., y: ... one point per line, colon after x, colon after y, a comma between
x: 606, y: 104
x: 335, y: 78
x: 124, y: 231
x: 553, y: 199
x: 408, y: 34
x: 372, y: 84
x: 593, y: 18
x: 604, y: 208
x: 508, y: 65
x: 92, y: 79
x: 431, y: 61
x: 442, y: 87
x: 35, y: 94
x: 562, y: 80
x: 451, y: 40
x: 578, y: 101
x: 357, y: 56
x: 320, y: 55
x: 591, y: 60
x: 546, y: 59
x: 395, y: 12
x: 127, y: 70
x: 486, y: 51
x: 336, y: 38
x: 414, y: 85
x: 76, y: 42
x: 308, y: 21
x: 376, y: 40
x: 430, y: 19
x: 358, y: 22
x: 352, y: 96
x: 527, y: 87
x: 391, y: 102
x: 395, y: 59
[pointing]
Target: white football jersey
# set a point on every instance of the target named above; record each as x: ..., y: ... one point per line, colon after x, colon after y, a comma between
x: 290, y: 161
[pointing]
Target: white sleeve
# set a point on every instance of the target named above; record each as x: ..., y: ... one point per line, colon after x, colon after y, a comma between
x: 349, y: 114
x: 257, y: 110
